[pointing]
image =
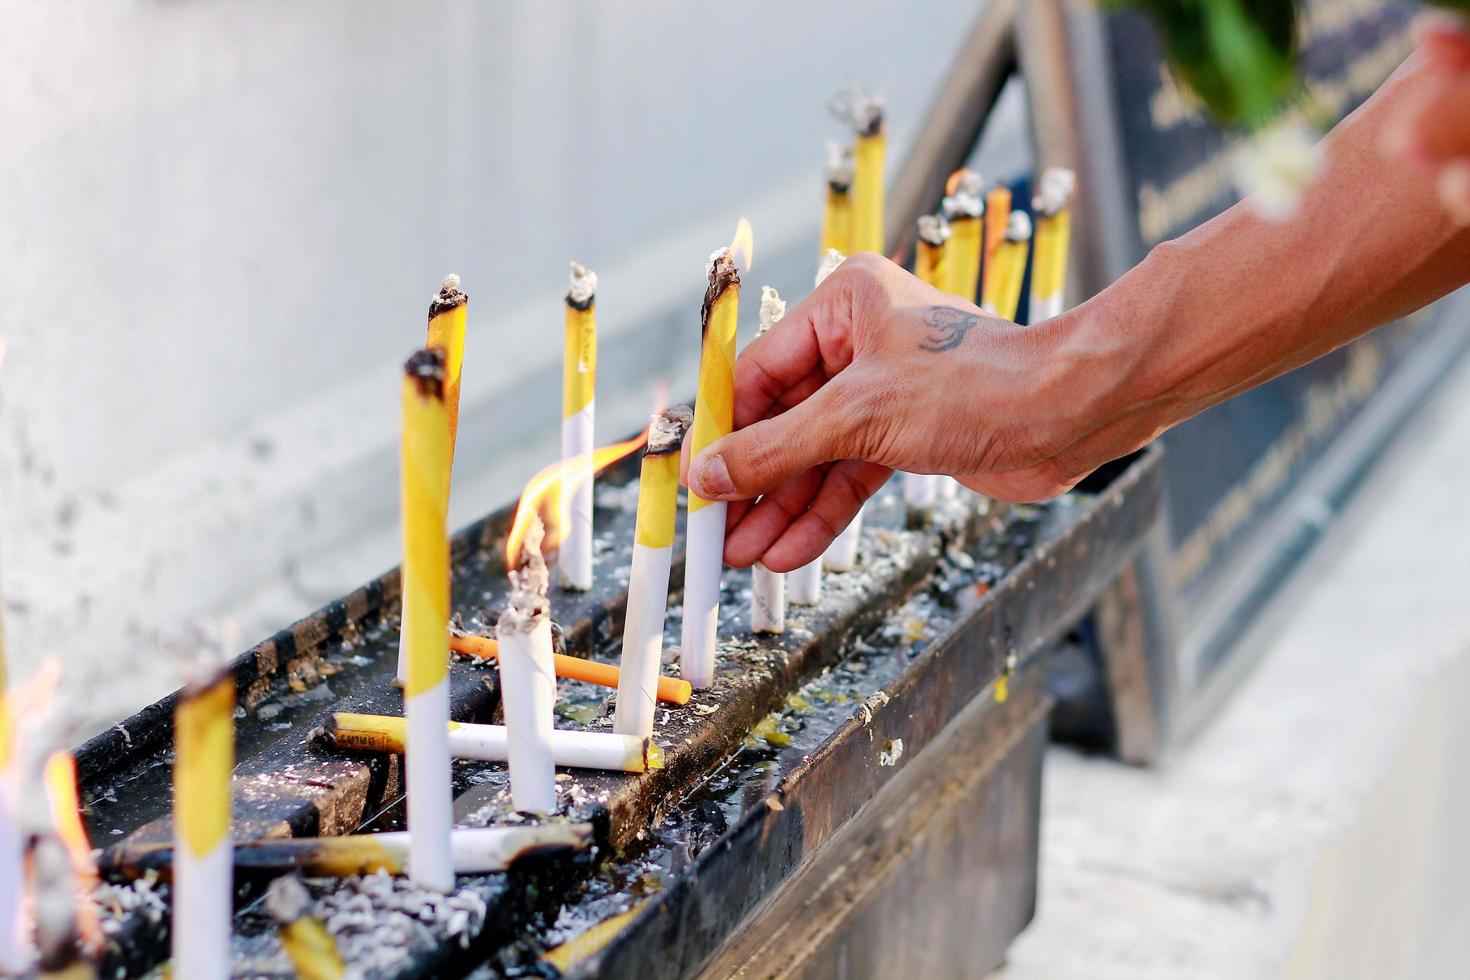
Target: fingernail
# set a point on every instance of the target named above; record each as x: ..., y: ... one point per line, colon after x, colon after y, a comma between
x: 714, y: 478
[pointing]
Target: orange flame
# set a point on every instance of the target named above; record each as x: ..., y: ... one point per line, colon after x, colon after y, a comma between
x: 565, y: 476
x: 742, y: 246
x: 66, y: 816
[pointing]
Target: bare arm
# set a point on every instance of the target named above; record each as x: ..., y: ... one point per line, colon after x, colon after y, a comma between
x: 876, y: 371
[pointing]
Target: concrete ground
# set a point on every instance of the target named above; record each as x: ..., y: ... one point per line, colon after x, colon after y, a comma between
x: 1316, y: 827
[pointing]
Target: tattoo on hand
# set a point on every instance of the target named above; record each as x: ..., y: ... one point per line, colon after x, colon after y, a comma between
x: 947, y: 328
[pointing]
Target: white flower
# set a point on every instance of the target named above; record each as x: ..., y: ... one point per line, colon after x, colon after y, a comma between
x: 1274, y: 167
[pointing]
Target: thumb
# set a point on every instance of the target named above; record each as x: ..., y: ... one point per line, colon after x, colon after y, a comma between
x: 764, y: 455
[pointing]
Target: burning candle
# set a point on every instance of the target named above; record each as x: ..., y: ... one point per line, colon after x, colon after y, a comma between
x: 13, y: 957
x: 528, y: 680
x: 713, y: 418
x: 865, y: 112
x: 579, y: 382
x: 447, y: 313
x: 648, y: 579
x: 425, y: 585
x: 1053, y: 236
x: 491, y: 743
x: 961, y: 208
x: 1010, y: 267
x: 203, y: 894
x: 477, y: 850
x: 997, y: 221
x: 66, y: 819
x: 768, y: 588
x: 673, y: 690
x: 837, y: 216
x: 312, y: 949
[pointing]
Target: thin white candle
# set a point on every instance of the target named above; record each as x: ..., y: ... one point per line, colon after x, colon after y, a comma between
x: 528, y: 682
x: 579, y: 382
x: 768, y: 588
x: 841, y: 554
x: 648, y: 580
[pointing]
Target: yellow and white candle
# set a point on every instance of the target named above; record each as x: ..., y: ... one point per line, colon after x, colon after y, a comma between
x: 312, y: 950
x: 1010, y: 267
x: 997, y: 221
x: 528, y: 682
x: 448, y: 311
x: 714, y: 417
x: 866, y: 116
x: 491, y: 743
x: 962, y: 209
x: 203, y: 888
x: 938, y: 251
x: 648, y: 578
x: 425, y: 494
x: 1052, y: 205
x: 837, y: 212
x: 578, y: 409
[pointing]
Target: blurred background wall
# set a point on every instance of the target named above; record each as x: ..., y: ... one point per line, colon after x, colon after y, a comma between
x: 221, y: 222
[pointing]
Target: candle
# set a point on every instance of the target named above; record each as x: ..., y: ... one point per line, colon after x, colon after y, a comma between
x: 805, y: 584
x: 579, y: 382
x: 837, y: 216
x: 425, y: 452
x: 940, y: 257
x: 713, y: 418
x: 476, y: 850
x: 674, y: 690
x: 447, y: 312
x: 203, y: 893
x: 491, y: 743
x: 13, y: 958
x: 962, y: 209
x: 60, y: 777
x: 768, y: 588
x: 1010, y: 267
x: 648, y: 579
x: 866, y: 115
x: 1053, y: 236
x: 312, y: 949
x: 528, y: 681
x: 997, y: 220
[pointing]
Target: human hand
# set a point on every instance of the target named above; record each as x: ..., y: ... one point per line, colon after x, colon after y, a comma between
x: 877, y: 371
x: 1433, y: 132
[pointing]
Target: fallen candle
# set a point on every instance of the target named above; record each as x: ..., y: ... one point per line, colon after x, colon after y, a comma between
x: 714, y: 411
x: 491, y: 743
x: 578, y: 401
x: 448, y: 311
x: 1051, y: 243
x: 648, y: 577
x: 528, y: 680
x: 674, y: 690
x: 425, y: 492
x: 473, y: 850
x: 307, y: 942
x: 203, y: 896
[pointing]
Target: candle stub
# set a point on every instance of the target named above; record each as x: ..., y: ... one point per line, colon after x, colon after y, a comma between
x: 839, y: 165
x: 666, y: 430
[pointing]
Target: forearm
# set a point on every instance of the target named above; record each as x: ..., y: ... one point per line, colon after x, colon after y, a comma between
x: 1243, y: 299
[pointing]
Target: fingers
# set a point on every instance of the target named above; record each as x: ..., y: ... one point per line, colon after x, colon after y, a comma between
x: 1436, y: 127
x: 765, y: 520
x: 766, y: 454
x: 846, y: 486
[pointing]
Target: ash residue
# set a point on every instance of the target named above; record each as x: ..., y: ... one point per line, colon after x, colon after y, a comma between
x: 839, y: 166
x: 666, y: 430
x: 583, y: 288
x: 773, y: 308
x: 933, y: 229
x: 722, y: 275
x: 829, y: 265
x: 448, y: 297
x: 966, y: 201
x: 528, y: 604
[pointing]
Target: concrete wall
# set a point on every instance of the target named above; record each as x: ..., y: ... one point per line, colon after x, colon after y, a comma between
x: 221, y: 223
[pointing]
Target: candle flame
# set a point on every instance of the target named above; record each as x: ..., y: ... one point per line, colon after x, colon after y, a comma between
x: 66, y: 817
x: 542, y: 491
x: 742, y: 246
